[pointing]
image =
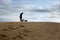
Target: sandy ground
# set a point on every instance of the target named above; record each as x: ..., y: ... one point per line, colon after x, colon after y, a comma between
x: 29, y: 31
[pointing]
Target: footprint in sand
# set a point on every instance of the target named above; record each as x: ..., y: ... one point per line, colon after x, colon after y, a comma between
x: 13, y: 38
x: 11, y: 28
x: 5, y: 29
x: 21, y: 25
x: 20, y: 37
x: 2, y: 35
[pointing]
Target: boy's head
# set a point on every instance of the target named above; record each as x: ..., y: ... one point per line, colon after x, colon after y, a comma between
x: 22, y: 13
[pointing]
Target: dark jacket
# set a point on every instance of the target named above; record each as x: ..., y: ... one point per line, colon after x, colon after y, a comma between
x: 21, y: 15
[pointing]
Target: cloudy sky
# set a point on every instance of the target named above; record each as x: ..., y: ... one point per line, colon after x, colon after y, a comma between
x: 34, y: 10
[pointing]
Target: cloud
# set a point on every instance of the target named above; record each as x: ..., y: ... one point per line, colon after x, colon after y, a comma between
x: 6, y: 1
x: 56, y: 6
x: 27, y: 7
x: 9, y: 11
x: 51, y: 14
x: 9, y: 18
x: 33, y: 8
x: 6, y: 8
x: 40, y: 10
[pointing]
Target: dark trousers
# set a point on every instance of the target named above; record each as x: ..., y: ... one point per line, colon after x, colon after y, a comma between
x: 21, y: 19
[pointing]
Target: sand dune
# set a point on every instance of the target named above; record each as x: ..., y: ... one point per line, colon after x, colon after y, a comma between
x: 29, y: 31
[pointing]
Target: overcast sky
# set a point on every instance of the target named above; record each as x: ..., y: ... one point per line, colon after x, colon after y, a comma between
x: 34, y: 10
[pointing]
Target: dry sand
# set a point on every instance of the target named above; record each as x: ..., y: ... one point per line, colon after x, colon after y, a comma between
x: 29, y: 31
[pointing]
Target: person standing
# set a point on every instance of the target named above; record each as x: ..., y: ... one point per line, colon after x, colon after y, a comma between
x: 21, y: 16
